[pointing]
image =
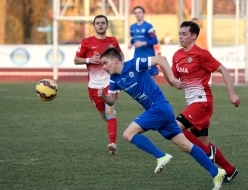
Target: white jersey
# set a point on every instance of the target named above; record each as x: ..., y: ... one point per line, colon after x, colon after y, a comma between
x: 98, y: 78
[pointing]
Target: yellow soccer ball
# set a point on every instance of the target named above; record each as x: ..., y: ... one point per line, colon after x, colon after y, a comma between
x: 47, y: 89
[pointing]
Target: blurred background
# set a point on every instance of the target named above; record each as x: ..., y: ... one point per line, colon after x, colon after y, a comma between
x: 39, y: 38
x: 30, y: 21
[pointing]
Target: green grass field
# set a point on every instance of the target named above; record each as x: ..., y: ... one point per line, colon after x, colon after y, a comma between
x: 61, y: 145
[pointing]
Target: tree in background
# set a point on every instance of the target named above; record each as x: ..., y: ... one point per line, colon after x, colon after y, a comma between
x: 2, y: 21
x: 23, y: 18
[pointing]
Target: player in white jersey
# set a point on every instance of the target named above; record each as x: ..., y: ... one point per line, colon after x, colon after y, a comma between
x: 88, y: 53
x: 193, y: 66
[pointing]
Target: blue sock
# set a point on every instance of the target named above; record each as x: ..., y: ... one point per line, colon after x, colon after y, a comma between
x: 143, y: 143
x: 203, y: 160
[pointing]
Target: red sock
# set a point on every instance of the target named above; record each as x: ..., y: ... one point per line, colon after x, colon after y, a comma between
x: 112, y: 129
x: 222, y: 161
x: 192, y: 138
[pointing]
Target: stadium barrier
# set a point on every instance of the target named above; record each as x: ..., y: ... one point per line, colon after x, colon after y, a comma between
x: 32, y: 62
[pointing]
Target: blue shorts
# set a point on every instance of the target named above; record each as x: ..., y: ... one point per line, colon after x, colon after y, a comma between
x: 153, y: 70
x: 159, y: 117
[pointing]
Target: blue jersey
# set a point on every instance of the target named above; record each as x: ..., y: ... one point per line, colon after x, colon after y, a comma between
x: 144, y: 32
x: 136, y: 81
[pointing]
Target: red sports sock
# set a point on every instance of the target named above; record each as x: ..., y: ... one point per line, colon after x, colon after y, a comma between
x: 192, y: 138
x: 222, y: 161
x: 112, y: 129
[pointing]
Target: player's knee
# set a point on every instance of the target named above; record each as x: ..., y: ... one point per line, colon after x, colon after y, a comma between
x: 110, y: 114
x: 127, y: 136
x: 183, y: 143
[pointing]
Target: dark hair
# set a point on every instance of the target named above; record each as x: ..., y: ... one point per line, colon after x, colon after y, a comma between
x: 139, y: 7
x: 100, y: 16
x: 194, y: 27
x: 111, y: 52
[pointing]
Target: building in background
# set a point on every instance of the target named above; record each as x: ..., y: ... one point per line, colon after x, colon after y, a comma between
x: 23, y: 22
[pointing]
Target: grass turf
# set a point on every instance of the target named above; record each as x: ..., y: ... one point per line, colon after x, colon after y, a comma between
x: 61, y: 145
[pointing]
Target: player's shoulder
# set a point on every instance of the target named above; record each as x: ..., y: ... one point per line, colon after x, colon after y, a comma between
x: 133, y: 25
x: 177, y: 55
x: 132, y: 63
x: 147, y: 23
x: 127, y: 64
x: 110, y: 38
x: 200, y: 51
x: 178, y: 52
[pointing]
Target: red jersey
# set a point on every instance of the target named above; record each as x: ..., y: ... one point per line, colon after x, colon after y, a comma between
x: 98, y: 78
x: 194, y: 69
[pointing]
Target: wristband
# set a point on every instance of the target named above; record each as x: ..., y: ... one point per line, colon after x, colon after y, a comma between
x: 87, y: 60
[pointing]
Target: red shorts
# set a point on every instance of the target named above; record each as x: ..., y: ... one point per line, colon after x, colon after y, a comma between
x: 199, y: 114
x: 97, y: 101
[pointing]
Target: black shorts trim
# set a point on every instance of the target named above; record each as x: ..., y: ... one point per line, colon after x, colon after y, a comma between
x: 184, y: 121
x: 202, y: 133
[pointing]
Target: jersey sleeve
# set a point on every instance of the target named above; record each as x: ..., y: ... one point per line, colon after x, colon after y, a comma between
x: 209, y: 62
x: 142, y: 63
x: 117, y: 46
x: 173, y: 68
x: 113, y: 88
x: 151, y: 31
x: 81, y: 52
x: 152, y: 35
x: 131, y: 34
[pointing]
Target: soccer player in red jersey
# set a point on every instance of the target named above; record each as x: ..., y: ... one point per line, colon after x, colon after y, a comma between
x: 193, y: 66
x: 89, y: 53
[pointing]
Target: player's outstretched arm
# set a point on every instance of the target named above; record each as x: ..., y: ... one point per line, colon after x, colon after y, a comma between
x: 93, y: 60
x: 165, y: 67
x: 227, y: 78
x: 108, y: 99
x: 80, y: 61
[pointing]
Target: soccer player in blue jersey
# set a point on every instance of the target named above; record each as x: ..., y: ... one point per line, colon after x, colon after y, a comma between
x: 133, y: 78
x: 143, y: 38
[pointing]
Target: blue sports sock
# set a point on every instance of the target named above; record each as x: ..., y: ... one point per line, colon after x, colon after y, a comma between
x: 203, y: 160
x: 146, y: 145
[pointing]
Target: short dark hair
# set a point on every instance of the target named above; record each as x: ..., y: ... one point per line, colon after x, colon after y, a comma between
x: 193, y: 27
x: 100, y: 16
x: 111, y: 52
x: 139, y: 7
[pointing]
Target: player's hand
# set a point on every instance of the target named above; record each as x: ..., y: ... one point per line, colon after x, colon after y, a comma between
x: 235, y: 100
x: 100, y: 93
x: 177, y: 83
x: 130, y: 46
x: 138, y: 44
x: 95, y: 59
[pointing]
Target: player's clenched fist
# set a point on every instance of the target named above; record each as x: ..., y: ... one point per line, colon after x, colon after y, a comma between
x: 235, y: 100
x: 95, y: 59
